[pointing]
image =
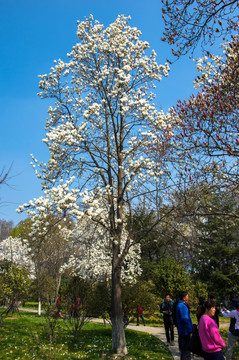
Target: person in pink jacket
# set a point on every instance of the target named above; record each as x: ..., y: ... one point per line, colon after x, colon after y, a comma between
x: 212, y: 343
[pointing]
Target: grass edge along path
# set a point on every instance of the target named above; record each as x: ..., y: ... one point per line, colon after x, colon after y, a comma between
x: 29, y: 337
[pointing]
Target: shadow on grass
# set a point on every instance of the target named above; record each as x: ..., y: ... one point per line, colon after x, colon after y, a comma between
x: 140, y: 345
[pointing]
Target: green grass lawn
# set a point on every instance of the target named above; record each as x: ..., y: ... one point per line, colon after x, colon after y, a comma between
x: 27, y: 338
x: 30, y: 305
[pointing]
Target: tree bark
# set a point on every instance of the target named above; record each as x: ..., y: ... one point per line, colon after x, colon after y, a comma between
x: 39, y: 307
x: 118, y: 333
x: 58, y: 284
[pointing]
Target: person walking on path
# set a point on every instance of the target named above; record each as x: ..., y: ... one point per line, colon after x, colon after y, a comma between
x: 212, y: 342
x: 184, y: 325
x: 167, y: 309
x: 233, y: 332
x: 140, y: 313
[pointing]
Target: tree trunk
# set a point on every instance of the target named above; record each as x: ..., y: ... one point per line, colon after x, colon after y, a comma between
x: 118, y: 333
x: 39, y: 307
x: 58, y: 284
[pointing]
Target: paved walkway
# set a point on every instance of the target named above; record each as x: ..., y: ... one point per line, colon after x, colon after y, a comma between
x: 159, y: 332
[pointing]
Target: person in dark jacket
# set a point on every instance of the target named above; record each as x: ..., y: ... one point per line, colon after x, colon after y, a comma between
x: 200, y: 308
x: 167, y: 309
x: 184, y: 325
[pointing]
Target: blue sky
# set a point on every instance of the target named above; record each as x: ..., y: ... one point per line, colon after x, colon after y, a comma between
x: 33, y: 34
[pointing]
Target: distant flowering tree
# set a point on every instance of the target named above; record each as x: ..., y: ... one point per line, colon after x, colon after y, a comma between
x: 16, y: 251
x: 50, y: 241
x: 100, y: 132
x: 14, y: 284
x: 16, y: 270
x: 86, y: 251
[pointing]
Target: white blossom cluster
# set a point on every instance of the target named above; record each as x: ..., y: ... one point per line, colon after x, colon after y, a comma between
x: 90, y: 242
x: 59, y: 200
x: 103, y: 99
x: 17, y: 251
x: 92, y: 256
x: 211, y: 67
x: 208, y: 67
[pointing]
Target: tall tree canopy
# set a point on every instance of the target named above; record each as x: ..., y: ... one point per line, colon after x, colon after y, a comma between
x: 100, y: 131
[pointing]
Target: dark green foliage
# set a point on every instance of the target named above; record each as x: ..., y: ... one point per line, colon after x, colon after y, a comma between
x: 83, y: 299
x: 145, y: 231
x: 101, y: 300
x: 14, y: 284
x: 170, y: 277
x: 94, y: 296
x: 137, y: 294
x: 217, y: 263
x: 77, y: 297
x: 22, y: 230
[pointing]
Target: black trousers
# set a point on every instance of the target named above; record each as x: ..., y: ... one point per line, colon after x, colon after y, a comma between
x: 142, y: 317
x: 213, y: 356
x: 184, y: 347
x: 168, y: 325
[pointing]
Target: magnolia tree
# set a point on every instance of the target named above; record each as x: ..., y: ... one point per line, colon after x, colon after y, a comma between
x: 207, y: 131
x: 100, y: 130
x: 50, y: 238
x: 16, y: 251
x: 86, y: 251
x: 16, y: 268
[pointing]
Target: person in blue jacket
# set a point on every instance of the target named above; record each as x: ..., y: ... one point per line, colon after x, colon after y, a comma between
x: 184, y: 325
